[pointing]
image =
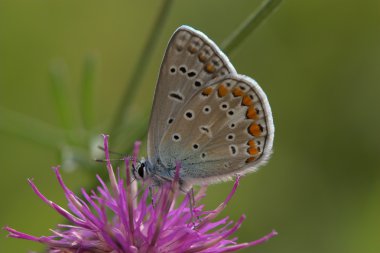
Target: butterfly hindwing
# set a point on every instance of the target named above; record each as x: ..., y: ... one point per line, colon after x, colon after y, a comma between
x: 191, y: 60
x: 225, y: 128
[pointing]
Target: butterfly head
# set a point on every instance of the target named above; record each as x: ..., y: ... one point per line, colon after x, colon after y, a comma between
x: 140, y: 170
x: 143, y: 170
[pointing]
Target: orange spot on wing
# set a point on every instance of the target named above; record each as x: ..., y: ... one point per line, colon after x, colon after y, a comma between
x: 252, y: 151
x: 222, y: 91
x: 251, y: 159
x: 237, y: 92
x: 207, y: 91
x: 202, y: 57
x: 192, y: 49
x: 254, y: 129
x: 252, y: 143
x: 251, y: 113
x: 246, y: 100
x: 209, y: 68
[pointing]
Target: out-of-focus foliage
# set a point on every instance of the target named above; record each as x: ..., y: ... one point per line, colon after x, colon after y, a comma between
x: 317, y: 61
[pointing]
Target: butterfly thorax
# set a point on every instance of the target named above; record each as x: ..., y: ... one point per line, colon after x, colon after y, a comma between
x: 157, y: 174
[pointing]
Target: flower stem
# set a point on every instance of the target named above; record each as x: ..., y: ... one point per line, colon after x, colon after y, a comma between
x: 140, y: 68
x: 249, y: 25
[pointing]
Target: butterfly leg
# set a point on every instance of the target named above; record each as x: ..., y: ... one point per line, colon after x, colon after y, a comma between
x: 192, y: 205
x: 151, y: 195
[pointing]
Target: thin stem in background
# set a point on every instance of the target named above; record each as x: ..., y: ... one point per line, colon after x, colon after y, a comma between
x: 249, y: 25
x: 60, y: 97
x: 87, y: 96
x: 141, y: 65
x: 31, y: 129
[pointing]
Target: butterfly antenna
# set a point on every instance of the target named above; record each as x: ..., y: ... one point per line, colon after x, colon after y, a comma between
x: 105, y: 160
x: 113, y: 153
x: 110, y: 151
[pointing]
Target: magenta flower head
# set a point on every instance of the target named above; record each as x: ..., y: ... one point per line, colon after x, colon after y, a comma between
x: 119, y: 218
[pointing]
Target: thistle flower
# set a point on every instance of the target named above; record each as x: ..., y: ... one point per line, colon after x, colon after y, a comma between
x: 120, y: 219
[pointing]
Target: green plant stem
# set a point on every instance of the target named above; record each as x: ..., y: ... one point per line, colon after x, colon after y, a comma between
x: 249, y: 25
x: 31, y: 129
x: 88, y: 81
x: 60, y: 96
x: 140, y: 68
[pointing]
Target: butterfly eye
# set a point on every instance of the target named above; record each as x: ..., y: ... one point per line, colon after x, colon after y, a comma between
x: 141, y: 170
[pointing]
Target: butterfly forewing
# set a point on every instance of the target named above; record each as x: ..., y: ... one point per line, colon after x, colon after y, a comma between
x: 190, y: 62
x: 225, y: 128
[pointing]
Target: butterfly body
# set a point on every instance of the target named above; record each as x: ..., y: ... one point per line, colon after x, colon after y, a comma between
x: 206, y: 117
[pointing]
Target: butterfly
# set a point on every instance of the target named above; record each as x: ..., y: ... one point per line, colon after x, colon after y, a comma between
x: 208, y: 118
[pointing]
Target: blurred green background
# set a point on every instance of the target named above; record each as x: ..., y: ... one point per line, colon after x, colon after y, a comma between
x: 318, y: 62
